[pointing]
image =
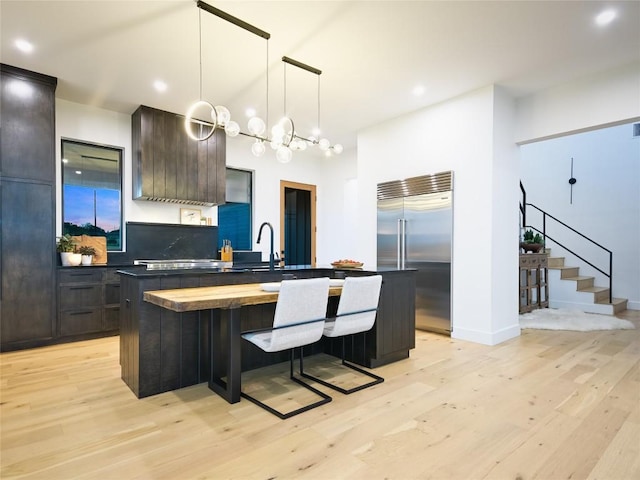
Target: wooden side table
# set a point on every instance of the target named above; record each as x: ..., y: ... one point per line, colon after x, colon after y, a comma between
x: 534, y: 286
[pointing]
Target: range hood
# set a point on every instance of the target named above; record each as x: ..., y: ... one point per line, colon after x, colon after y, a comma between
x: 170, y: 167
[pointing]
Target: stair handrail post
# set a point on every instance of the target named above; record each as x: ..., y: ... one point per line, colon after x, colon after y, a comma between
x: 523, y: 207
x: 611, y: 277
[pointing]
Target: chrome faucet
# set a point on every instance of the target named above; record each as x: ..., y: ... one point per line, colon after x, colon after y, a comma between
x: 271, y: 255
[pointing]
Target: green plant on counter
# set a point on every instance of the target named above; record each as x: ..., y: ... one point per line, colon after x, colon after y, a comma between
x: 86, y: 250
x: 65, y: 244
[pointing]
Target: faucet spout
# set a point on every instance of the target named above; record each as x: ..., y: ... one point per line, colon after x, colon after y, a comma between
x: 271, y: 254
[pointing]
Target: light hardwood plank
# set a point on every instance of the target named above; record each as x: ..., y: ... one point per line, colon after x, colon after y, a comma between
x: 546, y: 405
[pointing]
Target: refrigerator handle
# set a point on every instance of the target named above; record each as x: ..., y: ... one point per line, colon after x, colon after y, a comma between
x: 398, y: 243
x: 403, y: 235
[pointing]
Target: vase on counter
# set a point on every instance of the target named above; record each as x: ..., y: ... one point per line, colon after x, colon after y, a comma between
x: 70, y: 259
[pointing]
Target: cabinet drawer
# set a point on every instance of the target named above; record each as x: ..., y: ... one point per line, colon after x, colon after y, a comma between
x: 111, y: 319
x: 111, y: 275
x: 76, y: 296
x: 525, y: 261
x: 81, y: 321
x: 88, y: 275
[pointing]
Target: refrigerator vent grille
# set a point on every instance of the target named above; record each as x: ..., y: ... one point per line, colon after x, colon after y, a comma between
x: 438, y: 182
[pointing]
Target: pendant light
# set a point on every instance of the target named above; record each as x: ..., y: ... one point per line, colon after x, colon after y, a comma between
x: 206, y: 129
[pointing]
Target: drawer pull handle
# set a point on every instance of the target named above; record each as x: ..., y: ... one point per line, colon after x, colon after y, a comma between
x: 80, y: 288
x: 88, y: 312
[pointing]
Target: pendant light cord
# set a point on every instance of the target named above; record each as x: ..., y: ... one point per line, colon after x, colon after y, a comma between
x: 200, y: 47
x: 285, y: 90
x: 267, y: 73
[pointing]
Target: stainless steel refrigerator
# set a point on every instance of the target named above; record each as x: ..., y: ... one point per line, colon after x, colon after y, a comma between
x: 415, y: 229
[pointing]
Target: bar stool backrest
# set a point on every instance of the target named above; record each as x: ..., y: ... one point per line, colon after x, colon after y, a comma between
x: 359, y: 294
x: 299, y: 302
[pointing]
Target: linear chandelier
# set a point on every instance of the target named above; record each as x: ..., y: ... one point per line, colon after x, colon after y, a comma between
x: 284, y: 138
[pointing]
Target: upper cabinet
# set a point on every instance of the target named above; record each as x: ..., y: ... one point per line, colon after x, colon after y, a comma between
x: 168, y: 166
x: 28, y: 125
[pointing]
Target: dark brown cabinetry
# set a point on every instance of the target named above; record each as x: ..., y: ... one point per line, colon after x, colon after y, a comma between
x: 27, y: 191
x: 88, y: 301
x: 169, y: 166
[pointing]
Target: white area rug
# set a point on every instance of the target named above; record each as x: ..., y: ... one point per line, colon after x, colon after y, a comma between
x: 565, y: 319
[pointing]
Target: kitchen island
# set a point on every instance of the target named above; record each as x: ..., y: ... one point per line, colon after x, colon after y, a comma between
x: 163, y: 350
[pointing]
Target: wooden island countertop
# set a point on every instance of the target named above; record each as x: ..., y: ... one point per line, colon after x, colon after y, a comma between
x: 223, y: 296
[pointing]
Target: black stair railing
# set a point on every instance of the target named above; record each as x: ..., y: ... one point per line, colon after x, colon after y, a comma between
x: 545, y: 236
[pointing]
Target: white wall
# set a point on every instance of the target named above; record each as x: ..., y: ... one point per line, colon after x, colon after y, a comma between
x: 458, y: 135
x: 606, y: 98
x: 606, y: 200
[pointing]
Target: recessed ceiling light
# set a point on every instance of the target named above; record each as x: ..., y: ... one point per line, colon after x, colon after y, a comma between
x: 78, y: 172
x: 64, y: 160
x: 160, y: 86
x: 24, y: 46
x: 605, y: 17
x: 418, y: 90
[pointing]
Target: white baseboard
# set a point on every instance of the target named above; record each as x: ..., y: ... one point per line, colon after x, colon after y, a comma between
x: 486, y: 338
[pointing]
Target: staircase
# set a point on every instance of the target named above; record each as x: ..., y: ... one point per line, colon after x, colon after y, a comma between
x: 569, y: 289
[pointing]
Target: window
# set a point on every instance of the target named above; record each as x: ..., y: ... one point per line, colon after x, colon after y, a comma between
x: 234, y: 217
x: 92, y: 191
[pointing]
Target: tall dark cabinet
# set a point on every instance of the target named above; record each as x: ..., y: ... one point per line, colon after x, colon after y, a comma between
x: 27, y: 212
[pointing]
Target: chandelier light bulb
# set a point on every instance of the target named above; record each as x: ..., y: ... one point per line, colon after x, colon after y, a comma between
x: 338, y: 148
x: 324, y: 144
x: 256, y: 126
x: 232, y: 128
x: 258, y: 148
x: 284, y: 154
x: 302, y: 145
x: 277, y: 131
x: 223, y: 114
x: 275, y: 144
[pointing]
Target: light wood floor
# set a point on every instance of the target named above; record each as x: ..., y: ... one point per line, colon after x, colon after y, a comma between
x: 546, y: 405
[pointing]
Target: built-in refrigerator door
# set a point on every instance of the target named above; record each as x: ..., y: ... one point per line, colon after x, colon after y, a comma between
x: 390, y: 213
x: 428, y: 229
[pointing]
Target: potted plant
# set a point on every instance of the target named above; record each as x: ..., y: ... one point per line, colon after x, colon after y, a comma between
x: 87, y: 253
x: 67, y: 249
x: 531, y: 242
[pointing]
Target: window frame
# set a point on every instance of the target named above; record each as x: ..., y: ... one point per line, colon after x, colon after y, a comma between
x: 121, y: 159
x: 251, y: 174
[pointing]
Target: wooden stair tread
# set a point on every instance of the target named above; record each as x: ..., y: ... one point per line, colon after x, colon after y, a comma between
x: 614, y: 301
x: 577, y: 278
x: 592, y: 289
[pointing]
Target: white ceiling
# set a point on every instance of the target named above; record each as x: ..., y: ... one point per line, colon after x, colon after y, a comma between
x: 372, y: 53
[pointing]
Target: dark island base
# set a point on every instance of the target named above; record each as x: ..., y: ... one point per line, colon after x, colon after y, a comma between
x: 162, y: 350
